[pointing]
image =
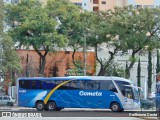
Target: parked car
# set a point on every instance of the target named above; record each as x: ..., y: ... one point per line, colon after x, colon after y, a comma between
x: 147, y: 104
x: 7, y: 100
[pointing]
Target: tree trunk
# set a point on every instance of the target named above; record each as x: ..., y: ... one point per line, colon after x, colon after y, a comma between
x: 139, y: 73
x: 128, y: 68
x: 149, y: 71
x: 42, y: 65
x: 27, y: 67
x: 73, y: 60
x: 101, y: 71
x: 42, y: 61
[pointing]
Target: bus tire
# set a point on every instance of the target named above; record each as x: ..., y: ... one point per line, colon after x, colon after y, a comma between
x: 59, y: 109
x: 115, y: 107
x: 121, y: 110
x: 51, y: 106
x: 40, y: 105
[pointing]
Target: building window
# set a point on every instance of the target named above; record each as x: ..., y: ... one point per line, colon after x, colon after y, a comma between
x: 84, y: 4
x: 148, y: 6
x: 95, y: 1
x: 78, y: 4
x: 103, y: 2
x: 138, y: 6
x: 95, y: 9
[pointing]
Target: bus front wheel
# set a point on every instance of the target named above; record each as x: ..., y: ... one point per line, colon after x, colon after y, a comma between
x: 40, y: 106
x: 51, y: 106
x: 115, y: 107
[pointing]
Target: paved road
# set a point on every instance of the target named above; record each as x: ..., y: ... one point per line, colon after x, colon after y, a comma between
x: 71, y: 114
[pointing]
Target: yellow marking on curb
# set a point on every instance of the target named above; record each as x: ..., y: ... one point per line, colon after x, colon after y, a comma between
x: 53, y: 90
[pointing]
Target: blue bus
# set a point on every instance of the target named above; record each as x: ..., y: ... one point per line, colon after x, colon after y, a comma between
x: 56, y: 93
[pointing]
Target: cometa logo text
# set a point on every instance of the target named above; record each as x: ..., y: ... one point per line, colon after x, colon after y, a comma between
x: 82, y: 93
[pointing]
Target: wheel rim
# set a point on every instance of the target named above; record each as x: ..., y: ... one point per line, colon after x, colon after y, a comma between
x: 114, y: 107
x: 51, y: 106
x: 40, y: 106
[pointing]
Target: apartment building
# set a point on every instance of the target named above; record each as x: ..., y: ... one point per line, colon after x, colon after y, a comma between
x: 96, y: 5
x: 11, y: 1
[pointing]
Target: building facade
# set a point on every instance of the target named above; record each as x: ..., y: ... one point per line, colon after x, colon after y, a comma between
x: 144, y: 3
x: 98, y: 5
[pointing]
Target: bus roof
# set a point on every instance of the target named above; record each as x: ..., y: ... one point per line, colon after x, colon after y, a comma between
x: 79, y: 78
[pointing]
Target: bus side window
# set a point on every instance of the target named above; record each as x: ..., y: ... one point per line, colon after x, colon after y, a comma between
x: 73, y: 84
x: 89, y: 85
x: 38, y: 84
x: 108, y: 85
x: 33, y: 84
x: 24, y: 84
x: 96, y: 85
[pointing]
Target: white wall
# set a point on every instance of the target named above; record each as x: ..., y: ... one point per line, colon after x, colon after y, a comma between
x: 121, y: 60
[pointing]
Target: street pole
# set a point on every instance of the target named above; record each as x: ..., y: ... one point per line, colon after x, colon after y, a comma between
x: 145, y: 88
x: 84, y: 50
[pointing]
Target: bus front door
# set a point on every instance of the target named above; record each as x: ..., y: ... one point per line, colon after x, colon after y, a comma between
x: 129, y: 104
x: 128, y: 99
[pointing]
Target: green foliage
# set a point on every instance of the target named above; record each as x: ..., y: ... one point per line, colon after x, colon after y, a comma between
x: 34, y: 26
x: 115, y: 70
x: 149, y: 71
x: 9, y: 59
x: 133, y: 59
x: 68, y: 15
x: 127, y: 28
x: 1, y: 16
x: 139, y: 73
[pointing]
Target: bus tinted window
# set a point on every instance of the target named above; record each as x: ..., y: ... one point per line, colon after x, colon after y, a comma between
x: 30, y: 84
x: 73, y: 85
x: 80, y: 84
x: 24, y: 84
x: 126, y: 91
x: 108, y: 85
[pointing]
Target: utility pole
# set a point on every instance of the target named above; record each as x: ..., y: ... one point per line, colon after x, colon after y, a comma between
x: 84, y: 53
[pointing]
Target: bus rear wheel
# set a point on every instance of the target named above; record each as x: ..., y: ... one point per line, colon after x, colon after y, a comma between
x: 115, y: 107
x: 40, y: 106
x: 51, y: 106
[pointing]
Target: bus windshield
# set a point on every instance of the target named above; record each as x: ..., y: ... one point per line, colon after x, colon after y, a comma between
x: 125, y: 89
x: 128, y: 92
x: 136, y: 94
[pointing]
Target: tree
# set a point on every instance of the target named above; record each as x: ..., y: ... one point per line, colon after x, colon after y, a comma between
x: 34, y: 27
x: 149, y: 70
x: 145, y: 29
x: 127, y: 29
x: 74, y: 22
x: 139, y: 73
x: 9, y: 60
x: 1, y: 16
